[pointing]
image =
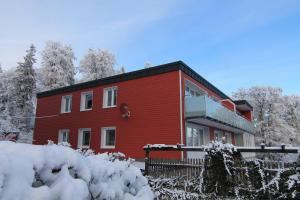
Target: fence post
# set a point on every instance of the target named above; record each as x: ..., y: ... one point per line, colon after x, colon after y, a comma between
x: 147, y: 157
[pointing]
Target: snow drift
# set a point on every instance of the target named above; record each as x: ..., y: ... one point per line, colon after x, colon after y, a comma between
x: 54, y: 172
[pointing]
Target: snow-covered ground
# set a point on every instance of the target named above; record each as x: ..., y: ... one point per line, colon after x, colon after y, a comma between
x: 53, y: 172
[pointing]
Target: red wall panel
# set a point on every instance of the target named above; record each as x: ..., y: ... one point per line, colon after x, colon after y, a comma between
x: 155, y: 116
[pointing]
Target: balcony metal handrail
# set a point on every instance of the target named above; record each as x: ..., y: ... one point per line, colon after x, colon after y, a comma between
x: 203, y: 106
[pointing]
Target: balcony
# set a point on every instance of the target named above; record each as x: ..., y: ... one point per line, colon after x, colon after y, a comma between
x: 203, y: 107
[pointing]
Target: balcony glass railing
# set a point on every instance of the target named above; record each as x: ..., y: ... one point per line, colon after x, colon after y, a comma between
x: 203, y: 106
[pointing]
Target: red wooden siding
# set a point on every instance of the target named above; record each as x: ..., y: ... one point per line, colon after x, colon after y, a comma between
x: 155, y: 115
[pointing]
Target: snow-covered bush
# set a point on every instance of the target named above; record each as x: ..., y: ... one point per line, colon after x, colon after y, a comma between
x: 226, y: 175
x: 54, y: 172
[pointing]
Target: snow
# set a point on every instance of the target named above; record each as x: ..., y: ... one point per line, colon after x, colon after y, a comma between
x: 140, y: 165
x: 53, y: 172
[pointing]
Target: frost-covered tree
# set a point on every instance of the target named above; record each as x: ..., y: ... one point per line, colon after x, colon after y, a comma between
x: 57, y: 65
x: 97, y: 64
x: 1, y: 71
x: 5, y: 119
x: 276, y: 117
x: 22, y: 94
x: 147, y: 64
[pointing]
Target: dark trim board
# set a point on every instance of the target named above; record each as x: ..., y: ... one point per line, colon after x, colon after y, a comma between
x: 160, y: 69
x: 241, y: 102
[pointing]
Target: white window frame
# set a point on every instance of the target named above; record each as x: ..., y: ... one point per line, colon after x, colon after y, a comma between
x: 105, y: 96
x: 80, y: 137
x: 83, y: 101
x: 63, y: 104
x: 201, y: 139
x: 60, y: 135
x: 103, y: 137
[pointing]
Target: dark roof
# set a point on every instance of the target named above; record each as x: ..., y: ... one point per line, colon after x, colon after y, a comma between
x: 243, y: 102
x: 160, y: 69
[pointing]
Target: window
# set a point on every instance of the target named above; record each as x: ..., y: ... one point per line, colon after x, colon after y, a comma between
x: 110, y: 97
x: 66, y: 104
x: 108, y: 137
x: 218, y: 135
x: 192, y: 90
x: 194, y: 136
x: 84, y: 137
x: 63, y: 135
x: 86, y: 101
x: 228, y: 138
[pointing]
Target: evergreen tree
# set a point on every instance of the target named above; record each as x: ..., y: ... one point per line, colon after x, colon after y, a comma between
x: 5, y: 119
x: 22, y: 94
x: 97, y: 64
x: 57, y: 65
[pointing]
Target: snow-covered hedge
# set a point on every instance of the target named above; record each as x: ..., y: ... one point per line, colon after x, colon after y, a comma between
x: 53, y: 172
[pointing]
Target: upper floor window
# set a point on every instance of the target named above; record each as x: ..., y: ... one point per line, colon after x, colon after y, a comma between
x: 110, y: 97
x: 192, y: 90
x: 108, y: 137
x: 84, y: 137
x: 63, y: 135
x: 66, y: 104
x: 86, y: 101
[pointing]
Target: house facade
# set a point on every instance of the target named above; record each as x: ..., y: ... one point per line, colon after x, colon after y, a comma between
x: 166, y: 104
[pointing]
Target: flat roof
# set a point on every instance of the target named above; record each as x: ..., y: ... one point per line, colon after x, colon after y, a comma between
x: 160, y: 69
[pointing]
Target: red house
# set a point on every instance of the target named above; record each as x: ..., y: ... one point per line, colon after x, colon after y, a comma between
x: 165, y: 104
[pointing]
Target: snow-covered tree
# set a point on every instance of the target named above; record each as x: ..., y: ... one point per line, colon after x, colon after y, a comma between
x: 1, y: 71
x: 5, y: 119
x: 22, y: 95
x: 57, y: 65
x: 276, y: 117
x: 147, y: 64
x: 97, y: 64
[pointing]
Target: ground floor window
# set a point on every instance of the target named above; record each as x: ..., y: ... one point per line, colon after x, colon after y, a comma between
x: 218, y: 135
x: 108, y: 137
x: 194, y: 136
x: 63, y: 135
x: 84, y: 137
x: 228, y: 137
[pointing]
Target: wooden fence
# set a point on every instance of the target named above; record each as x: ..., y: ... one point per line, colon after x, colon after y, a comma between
x: 189, y: 168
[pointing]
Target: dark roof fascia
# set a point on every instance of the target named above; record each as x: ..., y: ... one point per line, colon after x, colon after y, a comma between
x: 241, y: 102
x: 160, y: 69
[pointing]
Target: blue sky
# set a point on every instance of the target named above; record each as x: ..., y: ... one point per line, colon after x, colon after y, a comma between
x: 233, y: 44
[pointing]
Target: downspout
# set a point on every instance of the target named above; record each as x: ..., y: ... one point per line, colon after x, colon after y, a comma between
x: 181, y: 114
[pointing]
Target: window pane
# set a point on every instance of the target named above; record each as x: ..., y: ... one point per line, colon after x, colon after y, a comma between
x: 196, y: 138
x: 189, y: 137
x: 115, y: 97
x: 109, y: 98
x: 110, y: 138
x: 67, y: 104
x: 65, y: 136
x: 88, y: 101
x: 86, y: 138
x: 187, y: 90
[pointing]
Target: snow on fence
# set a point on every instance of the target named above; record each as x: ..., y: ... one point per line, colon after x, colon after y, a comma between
x: 223, y: 172
x: 160, y: 167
